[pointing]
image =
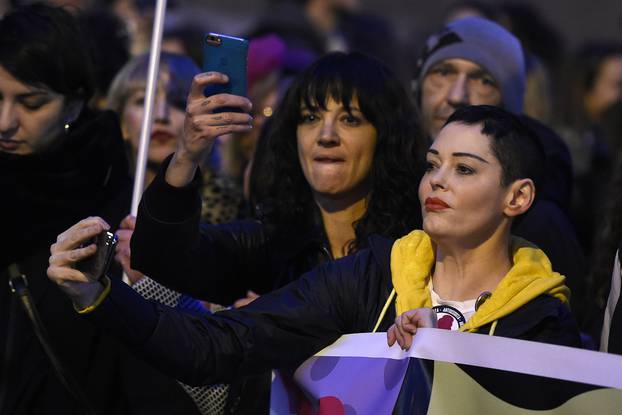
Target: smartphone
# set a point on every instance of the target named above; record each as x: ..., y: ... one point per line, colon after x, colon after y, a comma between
x: 97, y: 264
x: 226, y: 54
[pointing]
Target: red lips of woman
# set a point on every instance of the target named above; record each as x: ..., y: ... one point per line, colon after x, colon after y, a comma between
x: 434, y: 204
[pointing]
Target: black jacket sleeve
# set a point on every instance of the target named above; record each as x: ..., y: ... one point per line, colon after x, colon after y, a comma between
x: 278, y: 330
x: 218, y: 263
x: 544, y: 319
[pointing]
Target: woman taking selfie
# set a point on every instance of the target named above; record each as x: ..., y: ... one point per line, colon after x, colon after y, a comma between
x: 480, y: 176
x: 59, y: 162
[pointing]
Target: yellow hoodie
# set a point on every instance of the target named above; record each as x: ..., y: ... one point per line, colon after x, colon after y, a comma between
x: 412, y: 258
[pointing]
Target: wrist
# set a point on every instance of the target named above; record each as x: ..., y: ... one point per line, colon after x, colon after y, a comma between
x: 92, y: 295
x: 180, y: 171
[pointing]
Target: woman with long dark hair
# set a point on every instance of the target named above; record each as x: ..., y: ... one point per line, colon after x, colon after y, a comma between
x: 338, y: 165
x: 284, y: 188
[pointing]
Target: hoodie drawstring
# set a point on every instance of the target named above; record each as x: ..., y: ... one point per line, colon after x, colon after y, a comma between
x: 491, y: 332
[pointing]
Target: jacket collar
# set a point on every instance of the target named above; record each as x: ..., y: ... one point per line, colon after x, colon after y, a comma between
x: 413, y: 256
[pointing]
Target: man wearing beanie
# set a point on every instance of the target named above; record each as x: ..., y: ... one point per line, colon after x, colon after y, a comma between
x: 474, y: 61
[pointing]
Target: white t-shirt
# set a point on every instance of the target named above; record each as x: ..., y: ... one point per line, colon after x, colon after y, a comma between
x: 451, y: 314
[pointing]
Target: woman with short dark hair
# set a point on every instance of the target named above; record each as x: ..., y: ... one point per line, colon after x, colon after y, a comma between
x: 465, y: 259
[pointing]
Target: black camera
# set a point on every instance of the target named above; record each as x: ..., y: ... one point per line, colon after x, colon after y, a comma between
x: 97, y: 264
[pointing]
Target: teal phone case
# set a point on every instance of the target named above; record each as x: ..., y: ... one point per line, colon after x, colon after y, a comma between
x: 228, y: 55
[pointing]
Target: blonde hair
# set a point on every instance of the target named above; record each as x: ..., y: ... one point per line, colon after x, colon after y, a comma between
x: 180, y: 70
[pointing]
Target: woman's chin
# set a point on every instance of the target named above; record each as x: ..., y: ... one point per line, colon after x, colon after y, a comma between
x: 328, y: 188
x: 435, y: 229
x: 157, y: 155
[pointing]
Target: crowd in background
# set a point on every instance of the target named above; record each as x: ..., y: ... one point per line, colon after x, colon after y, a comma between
x: 572, y: 102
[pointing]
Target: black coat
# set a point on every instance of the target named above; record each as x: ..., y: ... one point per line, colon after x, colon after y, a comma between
x: 547, y: 223
x: 283, y: 328
x: 43, y: 195
x: 217, y: 263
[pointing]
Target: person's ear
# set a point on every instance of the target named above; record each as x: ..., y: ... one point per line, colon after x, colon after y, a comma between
x: 520, y: 197
x: 124, y: 132
x: 73, y: 108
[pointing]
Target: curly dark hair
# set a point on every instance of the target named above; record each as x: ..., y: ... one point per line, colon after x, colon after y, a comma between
x: 279, y: 189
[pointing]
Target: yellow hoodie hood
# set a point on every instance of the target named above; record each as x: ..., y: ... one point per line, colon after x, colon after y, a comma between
x: 412, y: 258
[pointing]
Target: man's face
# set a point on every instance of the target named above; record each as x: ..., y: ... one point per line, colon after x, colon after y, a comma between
x: 450, y: 84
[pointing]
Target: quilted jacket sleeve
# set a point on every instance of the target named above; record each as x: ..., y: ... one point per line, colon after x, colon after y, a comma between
x: 278, y: 330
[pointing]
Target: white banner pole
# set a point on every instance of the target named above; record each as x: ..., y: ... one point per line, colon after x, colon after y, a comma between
x: 150, y: 92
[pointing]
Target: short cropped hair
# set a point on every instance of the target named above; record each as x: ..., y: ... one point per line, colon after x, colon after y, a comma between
x: 43, y: 46
x: 515, y: 146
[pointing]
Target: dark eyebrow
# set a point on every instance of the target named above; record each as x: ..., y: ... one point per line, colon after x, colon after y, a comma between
x: 303, y: 107
x: 136, y: 88
x: 33, y: 94
x: 470, y: 155
x: 435, y: 152
x: 480, y: 73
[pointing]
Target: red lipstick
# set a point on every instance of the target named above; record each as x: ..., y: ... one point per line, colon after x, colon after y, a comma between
x: 434, y: 204
x: 162, y: 136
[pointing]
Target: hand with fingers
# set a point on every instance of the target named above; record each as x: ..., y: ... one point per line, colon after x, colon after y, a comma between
x: 203, y: 124
x: 406, y: 326
x: 122, y: 250
x: 83, y: 289
x: 250, y: 297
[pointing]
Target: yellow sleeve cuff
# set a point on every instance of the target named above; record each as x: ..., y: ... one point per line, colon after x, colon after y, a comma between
x: 99, y: 300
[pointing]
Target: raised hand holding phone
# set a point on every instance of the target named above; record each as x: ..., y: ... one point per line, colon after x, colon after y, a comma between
x: 227, y: 55
x: 205, y: 119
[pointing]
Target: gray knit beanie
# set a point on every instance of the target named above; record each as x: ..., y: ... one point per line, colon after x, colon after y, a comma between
x: 487, y: 44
